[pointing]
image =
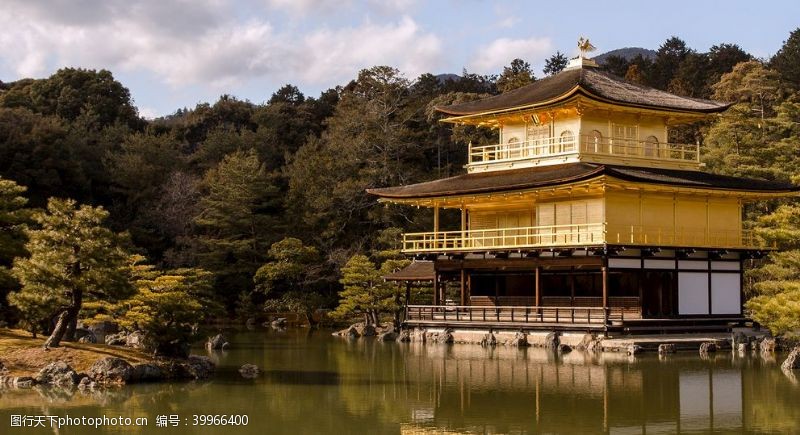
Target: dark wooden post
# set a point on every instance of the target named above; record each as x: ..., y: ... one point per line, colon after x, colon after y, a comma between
x: 463, y: 287
x: 538, y: 291
x: 605, y: 298
x: 435, y: 288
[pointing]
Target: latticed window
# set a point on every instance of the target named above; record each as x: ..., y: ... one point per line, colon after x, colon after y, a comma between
x: 624, y: 139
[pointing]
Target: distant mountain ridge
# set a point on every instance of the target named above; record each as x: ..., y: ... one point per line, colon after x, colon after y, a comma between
x: 626, y: 53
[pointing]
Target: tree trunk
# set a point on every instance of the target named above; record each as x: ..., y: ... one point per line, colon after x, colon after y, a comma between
x: 69, y: 335
x: 54, y: 340
x: 310, y: 318
x: 69, y: 315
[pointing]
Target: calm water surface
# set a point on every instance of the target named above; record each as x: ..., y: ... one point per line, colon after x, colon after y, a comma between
x: 318, y: 384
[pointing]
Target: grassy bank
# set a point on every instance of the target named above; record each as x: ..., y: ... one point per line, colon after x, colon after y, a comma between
x: 24, y: 355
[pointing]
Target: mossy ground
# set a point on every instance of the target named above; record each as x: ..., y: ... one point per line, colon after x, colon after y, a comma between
x: 24, y: 355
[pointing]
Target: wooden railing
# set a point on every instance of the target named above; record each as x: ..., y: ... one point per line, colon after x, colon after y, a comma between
x: 504, y: 238
x: 574, y: 235
x: 590, y: 145
x: 516, y: 314
x: 657, y: 236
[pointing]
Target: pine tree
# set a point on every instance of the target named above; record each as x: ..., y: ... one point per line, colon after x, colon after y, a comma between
x: 167, y: 305
x: 775, y: 284
x: 236, y: 221
x: 366, y: 292
x: 516, y: 75
x: 73, y: 257
x: 290, y: 279
x: 555, y: 64
x: 787, y: 60
x: 13, y: 218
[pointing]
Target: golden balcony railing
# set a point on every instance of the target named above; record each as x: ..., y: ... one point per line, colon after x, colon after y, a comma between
x: 592, y: 234
x: 587, y: 145
x: 504, y: 238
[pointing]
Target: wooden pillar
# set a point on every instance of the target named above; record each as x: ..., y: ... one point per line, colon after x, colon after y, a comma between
x: 463, y: 226
x: 605, y: 297
x: 436, y: 218
x: 572, y: 286
x: 408, y: 292
x: 463, y: 287
x: 538, y: 287
x: 435, y: 288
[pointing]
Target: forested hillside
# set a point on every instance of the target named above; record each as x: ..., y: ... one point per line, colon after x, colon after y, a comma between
x: 205, y: 193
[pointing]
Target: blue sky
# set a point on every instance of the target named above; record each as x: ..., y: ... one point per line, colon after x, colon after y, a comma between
x: 174, y: 54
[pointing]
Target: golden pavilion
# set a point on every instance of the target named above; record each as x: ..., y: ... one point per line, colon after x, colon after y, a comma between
x: 584, y: 216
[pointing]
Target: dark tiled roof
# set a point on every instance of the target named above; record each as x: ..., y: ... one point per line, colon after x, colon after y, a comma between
x: 416, y: 271
x: 587, y: 80
x: 545, y: 176
x: 485, y: 182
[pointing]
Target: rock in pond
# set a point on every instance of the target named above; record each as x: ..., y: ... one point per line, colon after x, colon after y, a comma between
x: 111, y: 370
x: 793, y: 360
x: 249, y: 371
x: 404, y: 336
x: 767, y: 345
x: 199, y: 367
x: 707, y: 347
x: 350, y: 332
x: 633, y: 349
x: 520, y: 340
x: 59, y: 374
x: 217, y: 342
x: 666, y: 348
x: 365, y: 330
x: 489, y: 340
x: 552, y: 340
x: 278, y: 323
x: 388, y: 335
x: 147, y: 373
x: 564, y: 348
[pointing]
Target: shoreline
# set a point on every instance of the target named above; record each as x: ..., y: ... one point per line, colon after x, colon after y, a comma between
x: 25, y: 363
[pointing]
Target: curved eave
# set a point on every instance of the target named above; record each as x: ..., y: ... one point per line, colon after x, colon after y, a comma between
x: 511, y: 187
x: 612, y: 181
x: 458, y: 117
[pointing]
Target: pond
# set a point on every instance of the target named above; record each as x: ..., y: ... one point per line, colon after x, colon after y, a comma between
x: 312, y: 383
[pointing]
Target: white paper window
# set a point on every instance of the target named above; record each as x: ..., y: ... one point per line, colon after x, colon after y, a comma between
x: 692, y: 293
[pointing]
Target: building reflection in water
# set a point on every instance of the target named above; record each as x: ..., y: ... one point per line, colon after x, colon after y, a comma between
x: 513, y: 390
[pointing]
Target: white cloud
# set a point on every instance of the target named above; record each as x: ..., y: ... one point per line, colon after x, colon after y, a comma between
x: 491, y: 58
x: 339, y: 52
x: 508, y: 22
x: 186, y: 43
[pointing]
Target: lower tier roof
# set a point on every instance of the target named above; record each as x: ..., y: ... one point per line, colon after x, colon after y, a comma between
x: 555, y: 175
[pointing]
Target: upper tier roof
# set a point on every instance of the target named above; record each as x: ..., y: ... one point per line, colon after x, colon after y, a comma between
x: 545, y: 176
x: 588, y: 81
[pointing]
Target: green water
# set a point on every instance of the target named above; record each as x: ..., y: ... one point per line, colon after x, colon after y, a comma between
x: 318, y: 384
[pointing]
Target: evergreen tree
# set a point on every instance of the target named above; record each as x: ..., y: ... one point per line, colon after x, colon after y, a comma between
x: 616, y: 65
x: 236, y: 221
x: 722, y: 58
x: 13, y: 219
x: 73, y: 257
x: 668, y: 59
x: 167, y: 306
x: 787, y: 60
x: 366, y: 292
x: 555, y: 64
x: 514, y: 76
x: 368, y: 143
x: 774, y: 286
x: 291, y: 278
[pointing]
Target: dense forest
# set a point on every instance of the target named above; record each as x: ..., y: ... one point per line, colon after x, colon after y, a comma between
x: 234, y: 206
